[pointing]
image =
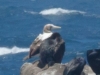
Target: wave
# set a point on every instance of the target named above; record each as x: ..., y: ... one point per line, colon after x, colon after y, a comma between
x: 13, y: 50
x: 30, y: 12
x: 60, y: 11
x: 92, y: 15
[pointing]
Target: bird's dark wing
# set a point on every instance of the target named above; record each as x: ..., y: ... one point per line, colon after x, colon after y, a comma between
x: 59, y: 51
x: 34, y: 49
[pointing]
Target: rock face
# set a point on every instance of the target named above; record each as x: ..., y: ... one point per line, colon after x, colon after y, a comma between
x: 87, y: 71
x: 56, y: 69
x: 75, y: 66
x: 32, y: 69
x: 93, y: 57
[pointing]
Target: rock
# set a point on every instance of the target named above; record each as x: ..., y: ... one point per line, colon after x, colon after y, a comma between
x: 87, y: 71
x: 75, y: 66
x: 56, y: 69
x: 93, y: 58
x: 32, y: 69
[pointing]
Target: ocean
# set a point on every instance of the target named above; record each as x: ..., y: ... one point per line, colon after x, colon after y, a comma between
x: 22, y: 20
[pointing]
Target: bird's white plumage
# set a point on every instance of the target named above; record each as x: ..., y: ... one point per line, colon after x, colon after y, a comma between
x: 47, y: 32
x: 38, y: 37
x: 46, y: 35
x: 43, y: 36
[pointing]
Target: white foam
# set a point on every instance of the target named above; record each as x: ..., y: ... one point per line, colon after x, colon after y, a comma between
x: 13, y: 50
x: 30, y: 12
x: 59, y: 11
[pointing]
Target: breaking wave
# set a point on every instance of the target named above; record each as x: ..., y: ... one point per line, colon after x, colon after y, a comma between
x: 13, y: 50
x: 60, y: 11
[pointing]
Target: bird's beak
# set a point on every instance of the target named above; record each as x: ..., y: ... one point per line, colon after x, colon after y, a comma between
x: 56, y: 27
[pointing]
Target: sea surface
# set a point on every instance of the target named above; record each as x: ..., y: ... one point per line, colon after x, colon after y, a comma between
x: 22, y: 20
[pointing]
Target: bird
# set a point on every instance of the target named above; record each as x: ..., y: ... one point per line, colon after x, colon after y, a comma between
x: 47, y: 32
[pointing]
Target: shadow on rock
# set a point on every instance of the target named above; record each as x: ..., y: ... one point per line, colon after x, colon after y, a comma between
x: 74, y: 67
x: 93, y: 57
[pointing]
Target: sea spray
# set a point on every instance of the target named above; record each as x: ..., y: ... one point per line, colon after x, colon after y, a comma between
x: 59, y: 11
x: 13, y: 50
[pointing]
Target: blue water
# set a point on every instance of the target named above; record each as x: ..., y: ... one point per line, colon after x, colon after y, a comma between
x: 22, y: 20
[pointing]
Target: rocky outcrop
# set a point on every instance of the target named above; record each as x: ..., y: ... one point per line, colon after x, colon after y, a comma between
x: 93, y: 58
x: 87, y: 71
x: 32, y: 69
x: 57, y: 69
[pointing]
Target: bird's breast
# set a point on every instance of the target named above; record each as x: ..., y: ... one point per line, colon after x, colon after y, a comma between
x: 46, y: 35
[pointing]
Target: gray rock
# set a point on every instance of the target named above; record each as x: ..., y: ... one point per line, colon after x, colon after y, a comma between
x: 70, y: 68
x: 87, y: 71
x: 32, y: 69
x: 93, y: 58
